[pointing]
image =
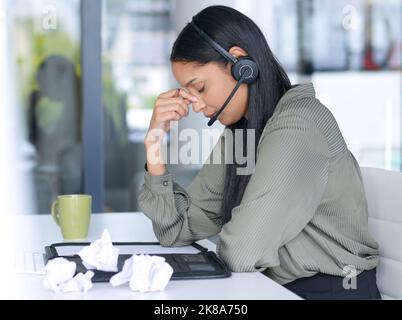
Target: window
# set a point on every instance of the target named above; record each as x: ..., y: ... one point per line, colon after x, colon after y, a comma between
x: 137, y: 39
x: 352, y: 51
x: 47, y: 51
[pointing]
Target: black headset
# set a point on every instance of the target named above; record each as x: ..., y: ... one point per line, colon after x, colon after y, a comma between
x: 244, y: 69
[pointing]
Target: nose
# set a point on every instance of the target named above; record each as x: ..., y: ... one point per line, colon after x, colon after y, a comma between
x: 198, y: 106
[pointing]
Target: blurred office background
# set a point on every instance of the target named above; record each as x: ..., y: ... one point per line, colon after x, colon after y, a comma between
x: 87, y: 72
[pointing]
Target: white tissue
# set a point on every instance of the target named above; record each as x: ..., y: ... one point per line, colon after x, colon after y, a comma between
x: 60, y: 277
x: 100, y: 254
x: 145, y: 273
x: 58, y: 271
x: 80, y: 283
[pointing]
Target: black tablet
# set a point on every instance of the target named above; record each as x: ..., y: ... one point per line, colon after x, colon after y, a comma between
x: 189, y: 262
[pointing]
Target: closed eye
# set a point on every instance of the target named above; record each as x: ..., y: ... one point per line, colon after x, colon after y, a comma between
x: 200, y: 87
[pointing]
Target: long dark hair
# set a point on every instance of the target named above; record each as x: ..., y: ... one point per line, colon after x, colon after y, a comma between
x: 230, y: 28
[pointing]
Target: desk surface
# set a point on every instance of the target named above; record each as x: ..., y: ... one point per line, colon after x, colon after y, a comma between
x: 137, y: 227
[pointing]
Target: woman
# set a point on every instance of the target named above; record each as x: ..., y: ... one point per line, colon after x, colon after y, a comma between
x: 301, y: 217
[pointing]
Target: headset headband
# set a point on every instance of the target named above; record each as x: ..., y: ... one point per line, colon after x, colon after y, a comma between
x: 214, y: 44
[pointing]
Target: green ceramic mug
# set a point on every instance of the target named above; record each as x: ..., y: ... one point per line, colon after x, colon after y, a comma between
x: 72, y: 213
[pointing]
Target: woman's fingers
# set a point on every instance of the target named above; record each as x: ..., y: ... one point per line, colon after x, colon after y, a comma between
x: 172, y: 107
x: 168, y: 107
x: 199, y: 104
x: 161, y: 103
x: 169, y: 94
x: 193, y: 95
x: 185, y: 93
x: 171, y: 115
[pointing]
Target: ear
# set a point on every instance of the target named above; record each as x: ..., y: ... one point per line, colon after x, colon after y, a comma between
x: 238, y: 52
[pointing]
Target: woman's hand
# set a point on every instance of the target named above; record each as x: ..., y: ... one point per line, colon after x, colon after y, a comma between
x: 194, y: 96
x: 169, y: 106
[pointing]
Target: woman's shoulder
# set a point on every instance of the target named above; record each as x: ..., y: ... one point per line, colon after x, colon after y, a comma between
x: 300, y: 103
x: 300, y: 110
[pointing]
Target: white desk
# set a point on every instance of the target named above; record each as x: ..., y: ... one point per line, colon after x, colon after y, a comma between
x: 137, y: 227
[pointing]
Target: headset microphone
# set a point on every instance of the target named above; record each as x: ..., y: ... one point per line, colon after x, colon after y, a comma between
x: 244, y: 69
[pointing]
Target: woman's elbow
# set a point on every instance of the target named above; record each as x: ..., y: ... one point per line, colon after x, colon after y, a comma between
x: 240, y: 258
x: 236, y: 258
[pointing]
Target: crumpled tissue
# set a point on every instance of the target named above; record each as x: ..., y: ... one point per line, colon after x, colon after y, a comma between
x: 100, y: 254
x: 144, y: 273
x: 80, y: 283
x: 60, y: 277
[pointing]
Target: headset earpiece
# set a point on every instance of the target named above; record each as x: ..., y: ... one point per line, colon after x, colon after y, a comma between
x: 245, y: 65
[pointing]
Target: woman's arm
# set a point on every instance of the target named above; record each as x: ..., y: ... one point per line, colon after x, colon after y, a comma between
x: 281, y: 197
x: 181, y: 216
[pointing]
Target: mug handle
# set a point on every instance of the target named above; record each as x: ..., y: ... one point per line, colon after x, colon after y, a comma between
x: 55, y: 211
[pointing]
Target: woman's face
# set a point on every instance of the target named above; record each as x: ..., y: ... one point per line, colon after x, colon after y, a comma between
x: 212, y: 85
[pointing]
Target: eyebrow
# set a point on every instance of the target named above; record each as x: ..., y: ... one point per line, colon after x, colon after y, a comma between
x: 190, y: 82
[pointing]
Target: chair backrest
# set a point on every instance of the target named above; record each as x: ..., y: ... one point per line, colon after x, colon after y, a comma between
x: 384, y: 198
